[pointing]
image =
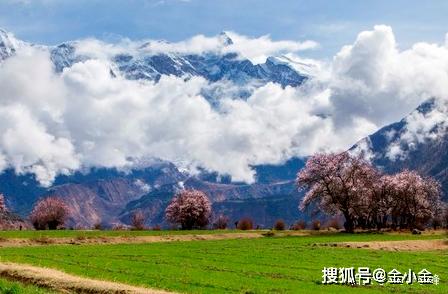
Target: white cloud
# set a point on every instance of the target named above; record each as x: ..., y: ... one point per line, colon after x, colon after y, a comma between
x: 254, y: 49
x: 57, y: 123
x: 258, y: 49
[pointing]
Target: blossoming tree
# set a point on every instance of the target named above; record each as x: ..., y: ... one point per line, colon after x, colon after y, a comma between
x: 49, y: 213
x: 348, y: 185
x: 190, y: 209
x: 337, y: 183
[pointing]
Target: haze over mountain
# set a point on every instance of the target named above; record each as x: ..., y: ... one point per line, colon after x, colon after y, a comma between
x: 113, y: 128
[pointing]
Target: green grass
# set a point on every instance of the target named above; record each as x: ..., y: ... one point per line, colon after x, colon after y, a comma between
x: 7, y: 287
x: 265, y: 265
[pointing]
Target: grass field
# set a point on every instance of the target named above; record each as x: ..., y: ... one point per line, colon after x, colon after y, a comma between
x: 263, y: 265
x: 7, y: 287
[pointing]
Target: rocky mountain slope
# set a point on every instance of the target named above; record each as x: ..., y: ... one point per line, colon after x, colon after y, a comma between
x: 109, y: 197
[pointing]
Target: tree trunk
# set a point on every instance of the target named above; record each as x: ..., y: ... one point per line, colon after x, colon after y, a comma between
x: 348, y: 224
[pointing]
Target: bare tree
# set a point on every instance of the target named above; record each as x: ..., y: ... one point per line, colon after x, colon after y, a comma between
x: 138, y: 220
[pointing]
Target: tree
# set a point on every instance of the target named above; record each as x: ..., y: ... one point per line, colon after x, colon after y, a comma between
x: 49, y: 213
x: 221, y: 222
x: 245, y: 224
x: 337, y: 184
x: 348, y: 185
x: 138, y: 220
x: 189, y: 209
x: 415, y: 199
x: 279, y: 225
x: 2, y: 204
x: 379, y: 200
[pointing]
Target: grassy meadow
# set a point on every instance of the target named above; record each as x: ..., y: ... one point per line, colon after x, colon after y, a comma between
x: 263, y: 265
x: 8, y: 287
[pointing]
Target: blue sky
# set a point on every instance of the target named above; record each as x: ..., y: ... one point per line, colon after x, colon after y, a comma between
x: 332, y: 23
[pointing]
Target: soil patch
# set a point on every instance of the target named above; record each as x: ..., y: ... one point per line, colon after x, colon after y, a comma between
x: 406, y: 245
x: 19, y: 242
x: 66, y: 283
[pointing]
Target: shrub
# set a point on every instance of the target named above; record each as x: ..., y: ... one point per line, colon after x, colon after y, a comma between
x: 334, y: 223
x: 190, y: 209
x: 138, y: 220
x: 279, y: 225
x: 245, y: 224
x: 156, y: 228
x: 49, y: 213
x: 221, y: 222
x: 315, y: 225
x: 299, y: 225
x: 97, y: 226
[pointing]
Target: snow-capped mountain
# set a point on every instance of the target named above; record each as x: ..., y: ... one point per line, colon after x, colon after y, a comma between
x: 211, y: 66
x: 8, y: 44
x: 419, y: 141
x: 140, y: 63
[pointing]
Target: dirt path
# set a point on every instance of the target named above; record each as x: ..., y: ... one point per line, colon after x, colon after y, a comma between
x: 66, y: 283
x: 19, y: 242
x: 407, y: 245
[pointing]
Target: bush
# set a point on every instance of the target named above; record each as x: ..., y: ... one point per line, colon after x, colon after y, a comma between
x: 49, y: 213
x: 191, y: 209
x: 245, y: 224
x: 221, y: 222
x: 315, y: 225
x: 299, y: 225
x: 279, y: 225
x: 138, y: 220
x: 156, y: 228
x: 97, y: 226
x: 334, y: 223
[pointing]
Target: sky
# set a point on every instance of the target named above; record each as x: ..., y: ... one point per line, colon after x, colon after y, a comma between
x: 330, y: 23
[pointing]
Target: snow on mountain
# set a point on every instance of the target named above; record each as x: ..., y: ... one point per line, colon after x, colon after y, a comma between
x: 8, y: 44
x: 140, y: 63
x: 419, y: 141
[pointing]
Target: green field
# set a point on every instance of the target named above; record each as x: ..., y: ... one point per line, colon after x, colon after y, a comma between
x: 264, y: 265
x: 7, y: 287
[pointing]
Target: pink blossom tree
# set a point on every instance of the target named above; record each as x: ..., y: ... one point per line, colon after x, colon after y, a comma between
x: 347, y: 185
x: 49, y: 213
x: 415, y: 199
x: 190, y: 209
x: 338, y: 184
x: 379, y: 200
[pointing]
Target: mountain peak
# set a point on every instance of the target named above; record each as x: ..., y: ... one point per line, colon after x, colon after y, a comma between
x: 225, y: 39
x: 8, y: 44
